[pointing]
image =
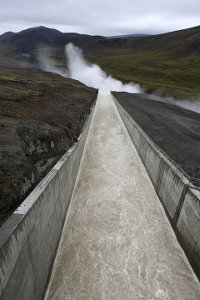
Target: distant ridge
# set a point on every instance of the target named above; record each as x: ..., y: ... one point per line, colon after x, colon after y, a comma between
x: 52, y: 37
x: 167, y: 63
x: 123, y: 36
x: 48, y: 36
x: 180, y: 42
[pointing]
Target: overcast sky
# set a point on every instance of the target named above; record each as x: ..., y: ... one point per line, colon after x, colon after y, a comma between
x: 105, y: 17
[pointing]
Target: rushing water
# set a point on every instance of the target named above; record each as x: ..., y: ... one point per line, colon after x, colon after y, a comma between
x: 117, y: 242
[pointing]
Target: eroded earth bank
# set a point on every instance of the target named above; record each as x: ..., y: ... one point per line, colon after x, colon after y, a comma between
x: 41, y: 116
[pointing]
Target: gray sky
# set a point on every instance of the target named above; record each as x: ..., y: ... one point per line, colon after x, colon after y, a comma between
x: 105, y: 17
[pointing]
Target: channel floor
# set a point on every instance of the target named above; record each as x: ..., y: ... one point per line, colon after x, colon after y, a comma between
x: 117, y: 243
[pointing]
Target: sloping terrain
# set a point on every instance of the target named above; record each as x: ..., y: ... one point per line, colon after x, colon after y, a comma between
x: 41, y: 115
x: 174, y: 129
x: 168, y: 64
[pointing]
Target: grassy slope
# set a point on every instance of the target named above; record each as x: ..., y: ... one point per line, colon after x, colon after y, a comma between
x: 167, y: 63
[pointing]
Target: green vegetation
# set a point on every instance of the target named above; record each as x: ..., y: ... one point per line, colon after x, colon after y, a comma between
x: 154, y: 71
x: 167, y: 64
x: 15, y: 86
x: 23, y: 90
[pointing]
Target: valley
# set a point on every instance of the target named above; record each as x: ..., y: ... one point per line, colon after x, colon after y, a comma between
x: 42, y: 113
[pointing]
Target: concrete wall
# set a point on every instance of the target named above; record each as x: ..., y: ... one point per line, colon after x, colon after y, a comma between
x: 188, y: 227
x: 181, y: 203
x: 29, y: 238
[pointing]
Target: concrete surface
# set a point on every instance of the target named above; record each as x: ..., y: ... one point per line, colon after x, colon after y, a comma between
x: 182, y: 205
x: 29, y: 238
x: 168, y: 181
x: 117, y: 242
x: 188, y: 227
x: 173, y: 129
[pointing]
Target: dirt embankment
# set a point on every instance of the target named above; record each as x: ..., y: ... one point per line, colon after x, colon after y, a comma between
x: 175, y: 130
x: 41, y: 115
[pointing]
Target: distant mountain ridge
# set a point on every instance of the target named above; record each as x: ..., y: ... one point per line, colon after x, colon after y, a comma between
x: 122, y: 36
x: 47, y: 36
x: 165, y: 63
x: 181, y: 41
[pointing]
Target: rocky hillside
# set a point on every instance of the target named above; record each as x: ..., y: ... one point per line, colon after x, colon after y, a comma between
x: 166, y: 64
x: 41, y: 116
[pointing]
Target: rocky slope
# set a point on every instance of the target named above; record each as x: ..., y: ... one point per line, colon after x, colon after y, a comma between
x: 41, y: 115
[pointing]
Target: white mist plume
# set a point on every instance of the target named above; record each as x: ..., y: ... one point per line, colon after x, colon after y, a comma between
x: 187, y: 104
x: 48, y: 64
x: 89, y: 74
x: 191, y: 105
x: 92, y: 75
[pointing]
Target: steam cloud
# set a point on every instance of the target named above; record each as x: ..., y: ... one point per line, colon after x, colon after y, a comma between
x: 89, y: 74
x: 92, y: 75
x: 187, y: 104
x: 48, y: 64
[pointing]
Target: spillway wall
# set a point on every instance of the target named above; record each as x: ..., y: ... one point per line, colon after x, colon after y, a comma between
x: 181, y: 203
x: 29, y: 238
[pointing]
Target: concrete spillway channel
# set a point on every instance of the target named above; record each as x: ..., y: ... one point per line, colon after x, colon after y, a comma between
x: 117, y: 242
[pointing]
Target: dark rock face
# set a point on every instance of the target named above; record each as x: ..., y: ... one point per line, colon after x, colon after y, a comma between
x: 41, y: 116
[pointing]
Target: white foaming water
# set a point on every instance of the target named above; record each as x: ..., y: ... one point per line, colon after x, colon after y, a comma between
x: 80, y: 69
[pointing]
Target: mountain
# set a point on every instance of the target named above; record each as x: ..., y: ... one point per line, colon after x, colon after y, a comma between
x: 47, y: 36
x: 180, y: 42
x: 168, y: 64
x: 122, y: 36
